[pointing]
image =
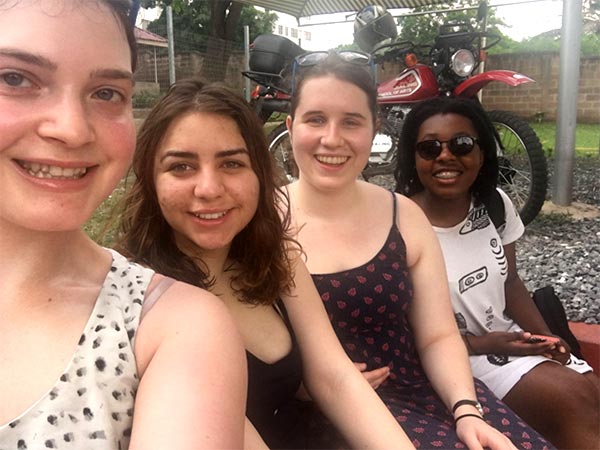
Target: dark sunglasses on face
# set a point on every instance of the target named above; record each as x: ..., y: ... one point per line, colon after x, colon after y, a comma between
x: 350, y: 56
x: 458, y: 146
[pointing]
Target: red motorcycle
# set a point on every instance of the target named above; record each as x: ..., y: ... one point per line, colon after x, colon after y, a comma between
x: 446, y: 67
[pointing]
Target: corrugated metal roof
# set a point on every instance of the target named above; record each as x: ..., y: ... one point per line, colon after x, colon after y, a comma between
x: 304, y: 8
x: 148, y: 38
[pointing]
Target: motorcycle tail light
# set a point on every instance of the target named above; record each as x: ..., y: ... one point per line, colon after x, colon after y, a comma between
x: 463, y: 62
x: 410, y: 60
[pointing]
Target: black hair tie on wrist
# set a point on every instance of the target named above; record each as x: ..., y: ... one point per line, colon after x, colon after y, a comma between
x: 474, y: 403
x: 468, y: 415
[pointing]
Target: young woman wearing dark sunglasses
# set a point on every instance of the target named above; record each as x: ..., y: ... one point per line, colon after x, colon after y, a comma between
x: 448, y: 165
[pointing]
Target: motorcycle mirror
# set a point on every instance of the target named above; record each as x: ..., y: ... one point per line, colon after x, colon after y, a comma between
x: 482, y: 11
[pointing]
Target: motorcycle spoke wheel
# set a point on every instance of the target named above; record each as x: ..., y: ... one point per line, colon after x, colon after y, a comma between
x: 280, y: 148
x: 522, y: 165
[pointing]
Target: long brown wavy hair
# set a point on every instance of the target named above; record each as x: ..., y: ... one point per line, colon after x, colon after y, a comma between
x: 260, y: 252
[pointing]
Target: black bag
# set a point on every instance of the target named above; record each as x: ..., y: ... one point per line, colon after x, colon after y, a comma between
x: 554, y: 315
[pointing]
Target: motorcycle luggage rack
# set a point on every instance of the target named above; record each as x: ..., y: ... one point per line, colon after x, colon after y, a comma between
x: 273, y: 80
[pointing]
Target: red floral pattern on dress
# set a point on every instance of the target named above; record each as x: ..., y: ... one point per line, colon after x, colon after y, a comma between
x: 368, y: 309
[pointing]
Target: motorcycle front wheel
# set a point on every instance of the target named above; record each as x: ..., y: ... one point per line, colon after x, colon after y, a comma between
x: 523, y: 171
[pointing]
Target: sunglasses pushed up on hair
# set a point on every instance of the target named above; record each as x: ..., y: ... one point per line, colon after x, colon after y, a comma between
x: 458, y: 146
x: 350, y: 56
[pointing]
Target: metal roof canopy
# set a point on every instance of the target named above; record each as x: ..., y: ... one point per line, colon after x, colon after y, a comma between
x: 566, y: 120
x: 305, y: 8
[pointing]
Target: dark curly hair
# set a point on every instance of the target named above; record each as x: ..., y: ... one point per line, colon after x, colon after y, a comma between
x: 407, y: 180
x: 259, y: 251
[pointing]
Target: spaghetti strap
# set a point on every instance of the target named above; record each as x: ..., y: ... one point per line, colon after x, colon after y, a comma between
x: 154, y: 294
x: 394, y: 202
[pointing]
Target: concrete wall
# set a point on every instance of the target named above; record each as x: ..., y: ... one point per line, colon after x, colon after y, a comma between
x: 531, y: 99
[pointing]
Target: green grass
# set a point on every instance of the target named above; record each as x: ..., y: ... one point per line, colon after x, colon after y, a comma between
x: 102, y: 225
x: 587, y: 138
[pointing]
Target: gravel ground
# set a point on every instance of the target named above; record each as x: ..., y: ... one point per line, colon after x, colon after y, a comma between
x: 562, y: 251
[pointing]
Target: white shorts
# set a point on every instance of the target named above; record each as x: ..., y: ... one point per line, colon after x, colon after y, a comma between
x: 500, y: 372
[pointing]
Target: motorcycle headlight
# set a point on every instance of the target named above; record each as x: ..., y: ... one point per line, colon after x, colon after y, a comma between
x: 463, y: 62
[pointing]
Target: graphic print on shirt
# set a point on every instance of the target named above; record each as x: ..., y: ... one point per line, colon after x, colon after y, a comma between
x: 477, y: 219
x: 498, y: 252
x: 472, y: 279
x: 489, y: 318
x: 461, y: 322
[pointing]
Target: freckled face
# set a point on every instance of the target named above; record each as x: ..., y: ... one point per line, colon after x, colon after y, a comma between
x: 66, y: 127
x: 205, y: 184
x: 332, y: 131
x: 448, y: 176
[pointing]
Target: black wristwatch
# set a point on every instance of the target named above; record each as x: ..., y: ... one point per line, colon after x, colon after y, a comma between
x: 474, y: 403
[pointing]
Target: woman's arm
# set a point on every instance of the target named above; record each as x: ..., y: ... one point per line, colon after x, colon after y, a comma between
x: 192, y: 365
x: 252, y: 439
x: 332, y: 380
x: 438, y: 342
x: 522, y: 309
x: 441, y: 350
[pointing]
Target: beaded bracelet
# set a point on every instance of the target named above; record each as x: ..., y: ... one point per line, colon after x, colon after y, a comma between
x: 468, y: 415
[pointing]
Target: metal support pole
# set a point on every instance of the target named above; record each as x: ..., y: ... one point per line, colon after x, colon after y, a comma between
x: 155, y: 66
x: 247, y: 87
x: 171, y: 44
x: 568, y: 87
x: 483, y: 44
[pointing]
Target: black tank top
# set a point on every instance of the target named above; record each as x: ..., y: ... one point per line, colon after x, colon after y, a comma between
x: 271, y: 390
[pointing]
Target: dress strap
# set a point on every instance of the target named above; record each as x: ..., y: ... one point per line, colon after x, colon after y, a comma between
x: 154, y: 294
x: 394, y: 202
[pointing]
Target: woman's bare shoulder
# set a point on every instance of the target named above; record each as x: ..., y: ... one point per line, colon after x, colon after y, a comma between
x: 183, y: 312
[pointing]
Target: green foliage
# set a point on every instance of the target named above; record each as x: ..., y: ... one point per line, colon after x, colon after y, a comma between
x: 102, y: 226
x: 258, y: 22
x: 548, y: 42
x: 423, y: 29
x: 353, y: 46
x: 145, y: 99
x: 193, y: 22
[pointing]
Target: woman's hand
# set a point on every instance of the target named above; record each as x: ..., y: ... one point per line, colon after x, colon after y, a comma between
x: 477, y: 434
x: 374, y: 377
x: 561, y: 351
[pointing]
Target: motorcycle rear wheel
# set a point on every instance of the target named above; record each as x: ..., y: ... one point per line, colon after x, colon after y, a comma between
x: 523, y: 173
x: 280, y: 147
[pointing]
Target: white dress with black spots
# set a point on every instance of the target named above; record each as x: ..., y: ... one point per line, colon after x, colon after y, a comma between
x: 91, y: 405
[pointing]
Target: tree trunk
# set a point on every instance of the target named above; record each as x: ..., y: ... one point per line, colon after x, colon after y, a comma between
x: 225, y: 16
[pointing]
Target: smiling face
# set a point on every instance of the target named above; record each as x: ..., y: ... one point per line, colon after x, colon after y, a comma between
x: 448, y: 176
x: 66, y: 127
x: 205, y: 184
x: 332, y: 131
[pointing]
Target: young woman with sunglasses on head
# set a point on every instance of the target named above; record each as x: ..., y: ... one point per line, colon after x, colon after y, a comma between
x: 448, y: 166
x: 379, y: 270
x: 203, y: 209
x: 79, y: 367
